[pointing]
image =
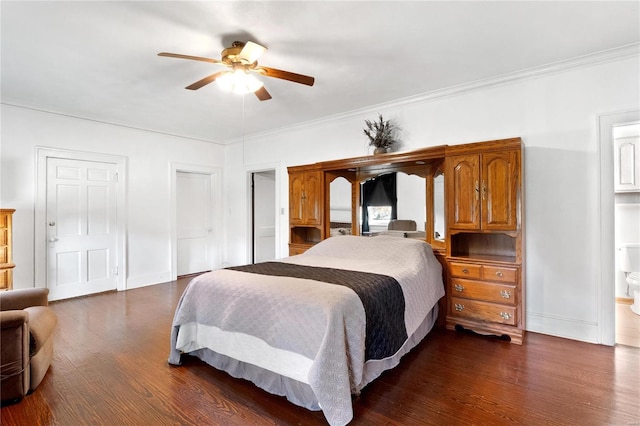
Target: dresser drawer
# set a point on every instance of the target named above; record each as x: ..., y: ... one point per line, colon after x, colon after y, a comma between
x: 499, y: 273
x: 483, y: 311
x: 490, y: 292
x: 295, y: 249
x: 484, y: 272
x: 465, y: 270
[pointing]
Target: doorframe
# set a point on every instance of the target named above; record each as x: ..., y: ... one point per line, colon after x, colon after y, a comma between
x: 607, y: 292
x: 215, y: 174
x: 40, y: 219
x: 249, y: 170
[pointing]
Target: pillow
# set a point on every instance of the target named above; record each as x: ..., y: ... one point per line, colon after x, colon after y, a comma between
x: 340, y: 231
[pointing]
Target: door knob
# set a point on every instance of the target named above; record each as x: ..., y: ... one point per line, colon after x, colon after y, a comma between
x: 53, y: 239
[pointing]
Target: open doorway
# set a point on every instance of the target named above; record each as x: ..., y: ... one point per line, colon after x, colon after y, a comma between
x: 626, y: 143
x: 609, y: 323
x: 263, y: 216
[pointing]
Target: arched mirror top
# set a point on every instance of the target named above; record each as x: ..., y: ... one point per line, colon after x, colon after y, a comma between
x: 340, y: 207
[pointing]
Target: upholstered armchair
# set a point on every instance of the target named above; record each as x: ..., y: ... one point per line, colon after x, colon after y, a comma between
x: 26, y: 349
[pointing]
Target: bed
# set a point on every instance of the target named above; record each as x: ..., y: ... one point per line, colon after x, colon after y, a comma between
x: 316, y: 327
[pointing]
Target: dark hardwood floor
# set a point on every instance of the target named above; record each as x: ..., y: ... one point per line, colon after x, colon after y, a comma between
x: 110, y: 368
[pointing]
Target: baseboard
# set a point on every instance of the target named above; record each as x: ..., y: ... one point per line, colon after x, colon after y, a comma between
x: 624, y: 300
x: 148, y: 279
x: 195, y: 274
x: 584, y: 331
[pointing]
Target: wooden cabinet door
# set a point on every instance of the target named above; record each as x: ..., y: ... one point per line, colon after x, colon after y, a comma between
x: 499, y: 190
x: 312, y: 213
x: 305, y: 192
x: 296, y: 192
x: 463, y: 191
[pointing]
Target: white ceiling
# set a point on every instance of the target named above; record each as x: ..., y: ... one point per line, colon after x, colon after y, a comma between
x: 98, y: 60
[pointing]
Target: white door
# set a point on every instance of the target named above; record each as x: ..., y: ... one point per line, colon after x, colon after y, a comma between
x: 194, y: 214
x: 81, y: 227
x: 264, y: 217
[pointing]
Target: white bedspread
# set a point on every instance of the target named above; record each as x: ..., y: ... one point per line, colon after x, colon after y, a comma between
x: 308, y: 331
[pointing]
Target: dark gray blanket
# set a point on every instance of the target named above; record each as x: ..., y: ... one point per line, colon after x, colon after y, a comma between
x: 381, y: 296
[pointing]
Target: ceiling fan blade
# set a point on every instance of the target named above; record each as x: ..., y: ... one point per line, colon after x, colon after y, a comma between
x: 251, y: 52
x: 262, y: 94
x: 286, y: 75
x: 209, y: 79
x: 193, y: 58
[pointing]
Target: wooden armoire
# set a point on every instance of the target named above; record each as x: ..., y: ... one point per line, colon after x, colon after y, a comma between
x: 482, y: 252
x: 6, y: 248
x: 484, y: 201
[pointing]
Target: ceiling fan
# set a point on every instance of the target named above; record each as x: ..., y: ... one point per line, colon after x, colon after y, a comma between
x: 242, y: 58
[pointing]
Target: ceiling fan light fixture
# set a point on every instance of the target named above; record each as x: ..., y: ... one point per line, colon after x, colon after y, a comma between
x: 242, y: 58
x: 239, y: 82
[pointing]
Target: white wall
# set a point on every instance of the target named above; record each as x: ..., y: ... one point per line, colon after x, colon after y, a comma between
x: 148, y: 188
x: 556, y: 115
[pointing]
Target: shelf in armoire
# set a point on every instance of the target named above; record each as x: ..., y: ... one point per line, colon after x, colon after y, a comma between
x: 484, y: 258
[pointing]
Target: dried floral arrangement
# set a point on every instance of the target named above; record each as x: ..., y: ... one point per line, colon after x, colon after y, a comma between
x: 381, y: 133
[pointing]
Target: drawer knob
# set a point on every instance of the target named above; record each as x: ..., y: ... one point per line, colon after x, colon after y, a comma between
x: 458, y: 287
x: 500, y: 274
x: 465, y: 270
x: 506, y: 294
x: 505, y: 315
x: 459, y: 307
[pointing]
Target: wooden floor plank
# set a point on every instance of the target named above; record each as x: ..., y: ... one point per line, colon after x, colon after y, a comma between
x: 110, y: 368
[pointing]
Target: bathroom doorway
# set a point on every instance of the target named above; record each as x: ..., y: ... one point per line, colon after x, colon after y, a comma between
x: 607, y: 244
x: 626, y: 144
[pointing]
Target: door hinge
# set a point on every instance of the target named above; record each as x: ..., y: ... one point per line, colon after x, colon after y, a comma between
x: 115, y: 271
x: 115, y: 177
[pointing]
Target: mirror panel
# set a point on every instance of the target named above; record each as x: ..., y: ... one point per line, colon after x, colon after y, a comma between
x: 438, y: 207
x: 412, y: 196
x: 340, y: 206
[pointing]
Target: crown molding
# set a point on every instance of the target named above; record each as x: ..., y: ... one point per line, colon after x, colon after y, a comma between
x: 109, y: 123
x: 611, y: 55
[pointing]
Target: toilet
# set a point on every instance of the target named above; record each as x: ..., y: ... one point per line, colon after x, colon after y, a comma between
x: 630, y: 265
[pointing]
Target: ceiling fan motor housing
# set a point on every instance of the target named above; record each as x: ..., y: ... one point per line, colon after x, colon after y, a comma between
x: 230, y: 54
